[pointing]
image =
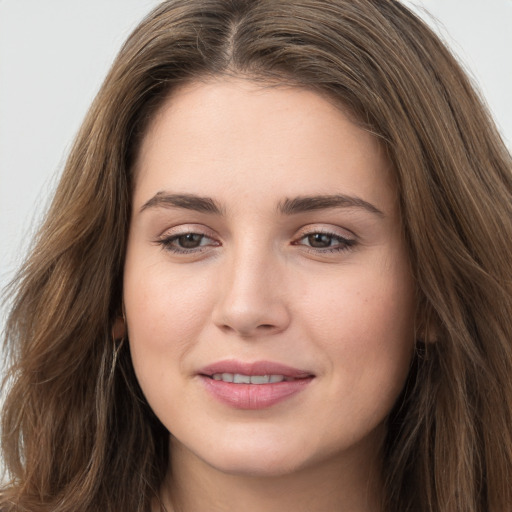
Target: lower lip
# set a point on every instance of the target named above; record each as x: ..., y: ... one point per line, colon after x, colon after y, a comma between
x: 254, y: 396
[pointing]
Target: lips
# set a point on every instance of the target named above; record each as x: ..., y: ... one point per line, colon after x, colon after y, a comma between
x: 240, y: 378
x: 256, y: 385
x: 254, y: 368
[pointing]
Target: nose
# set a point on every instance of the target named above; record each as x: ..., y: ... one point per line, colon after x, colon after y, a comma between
x: 252, y: 298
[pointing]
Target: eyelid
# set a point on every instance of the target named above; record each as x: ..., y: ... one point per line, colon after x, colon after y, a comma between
x: 171, y: 234
x: 343, y: 243
x: 338, y: 231
x: 185, y: 229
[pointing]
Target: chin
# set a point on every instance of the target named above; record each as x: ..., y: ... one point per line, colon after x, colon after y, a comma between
x: 259, y: 466
x: 255, y: 456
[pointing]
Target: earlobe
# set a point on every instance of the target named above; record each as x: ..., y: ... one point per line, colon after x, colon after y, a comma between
x: 427, y: 330
x: 119, y: 328
x: 429, y: 335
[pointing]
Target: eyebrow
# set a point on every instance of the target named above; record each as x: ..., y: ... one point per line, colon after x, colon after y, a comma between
x: 186, y: 201
x: 311, y: 203
x: 288, y: 206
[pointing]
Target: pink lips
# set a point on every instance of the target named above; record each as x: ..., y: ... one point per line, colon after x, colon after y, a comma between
x: 253, y: 396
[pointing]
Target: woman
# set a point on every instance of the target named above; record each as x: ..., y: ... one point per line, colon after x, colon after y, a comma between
x: 275, y: 275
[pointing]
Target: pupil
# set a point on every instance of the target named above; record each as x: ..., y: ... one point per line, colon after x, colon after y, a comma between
x: 190, y: 240
x: 319, y: 240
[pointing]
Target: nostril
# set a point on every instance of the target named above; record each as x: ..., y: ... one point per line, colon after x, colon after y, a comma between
x: 250, y: 316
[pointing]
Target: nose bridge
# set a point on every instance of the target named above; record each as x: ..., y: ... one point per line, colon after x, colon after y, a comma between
x: 251, y: 299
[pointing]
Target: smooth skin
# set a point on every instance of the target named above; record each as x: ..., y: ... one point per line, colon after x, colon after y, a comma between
x: 251, y: 271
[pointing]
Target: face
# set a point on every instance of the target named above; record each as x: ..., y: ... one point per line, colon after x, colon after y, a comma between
x: 265, y: 248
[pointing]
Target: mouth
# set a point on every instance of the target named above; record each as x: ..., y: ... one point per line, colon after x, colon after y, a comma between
x: 239, y: 378
x: 255, y: 385
x: 257, y: 372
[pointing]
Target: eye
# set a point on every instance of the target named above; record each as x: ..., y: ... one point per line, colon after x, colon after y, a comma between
x: 184, y: 243
x: 190, y: 240
x: 320, y: 240
x: 325, y: 242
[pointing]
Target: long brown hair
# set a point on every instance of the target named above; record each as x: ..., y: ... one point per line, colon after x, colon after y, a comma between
x: 77, y: 433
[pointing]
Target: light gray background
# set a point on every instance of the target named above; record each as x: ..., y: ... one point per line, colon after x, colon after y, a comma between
x: 55, y: 53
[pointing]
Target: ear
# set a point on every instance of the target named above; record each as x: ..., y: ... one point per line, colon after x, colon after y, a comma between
x: 427, y: 325
x: 429, y: 334
x: 119, y: 328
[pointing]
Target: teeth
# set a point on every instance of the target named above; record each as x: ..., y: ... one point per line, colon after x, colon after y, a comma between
x: 238, y: 378
x: 260, y: 379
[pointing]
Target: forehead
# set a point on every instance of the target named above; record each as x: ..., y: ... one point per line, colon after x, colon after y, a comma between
x: 234, y: 138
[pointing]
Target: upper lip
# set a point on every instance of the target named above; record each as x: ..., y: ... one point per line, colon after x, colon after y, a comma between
x: 254, y: 368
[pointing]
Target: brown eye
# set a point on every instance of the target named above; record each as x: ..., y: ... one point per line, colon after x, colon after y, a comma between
x: 319, y: 240
x: 189, y: 240
x: 187, y: 243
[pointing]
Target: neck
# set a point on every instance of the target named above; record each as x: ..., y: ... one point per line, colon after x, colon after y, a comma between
x: 344, y: 483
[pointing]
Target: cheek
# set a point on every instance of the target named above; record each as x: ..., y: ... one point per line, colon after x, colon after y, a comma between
x: 365, y: 324
x: 360, y: 307
x: 165, y: 313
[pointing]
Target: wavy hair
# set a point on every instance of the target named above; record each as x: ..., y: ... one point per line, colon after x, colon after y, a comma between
x: 77, y: 433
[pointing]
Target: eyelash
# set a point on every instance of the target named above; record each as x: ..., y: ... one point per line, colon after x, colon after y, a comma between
x: 343, y: 244
x: 167, y: 243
